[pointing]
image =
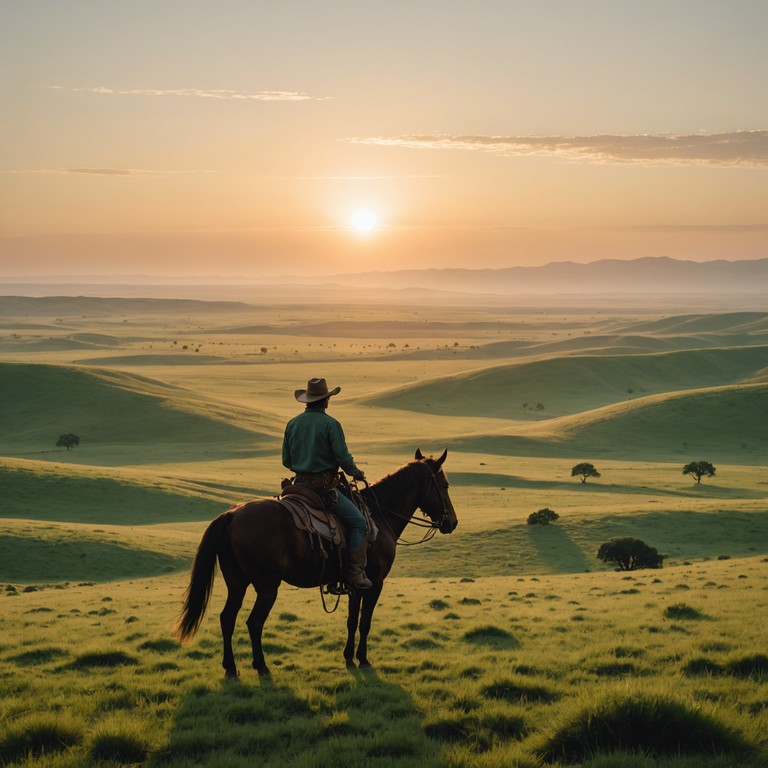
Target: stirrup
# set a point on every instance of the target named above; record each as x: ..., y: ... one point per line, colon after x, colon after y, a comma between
x: 338, y: 588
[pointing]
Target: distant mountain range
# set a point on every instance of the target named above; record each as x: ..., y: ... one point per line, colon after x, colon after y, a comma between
x: 608, y: 276
x: 659, y: 276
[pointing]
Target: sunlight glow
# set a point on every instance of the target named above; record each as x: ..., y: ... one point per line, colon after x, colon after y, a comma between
x: 363, y: 221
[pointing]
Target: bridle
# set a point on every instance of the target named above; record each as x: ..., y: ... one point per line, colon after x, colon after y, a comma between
x: 432, y: 526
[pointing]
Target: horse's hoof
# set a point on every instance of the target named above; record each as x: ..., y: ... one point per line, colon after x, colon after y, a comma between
x: 350, y: 664
x: 263, y: 671
x: 232, y: 674
x: 366, y: 665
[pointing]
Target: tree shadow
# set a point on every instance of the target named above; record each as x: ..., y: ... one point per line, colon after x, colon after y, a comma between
x: 555, y: 548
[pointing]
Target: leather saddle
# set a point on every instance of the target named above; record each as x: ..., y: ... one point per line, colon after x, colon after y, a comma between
x: 309, y: 514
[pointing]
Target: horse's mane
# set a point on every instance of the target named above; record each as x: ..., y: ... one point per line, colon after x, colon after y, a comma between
x: 397, y: 483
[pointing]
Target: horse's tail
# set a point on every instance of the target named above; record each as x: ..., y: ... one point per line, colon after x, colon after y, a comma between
x: 201, y: 581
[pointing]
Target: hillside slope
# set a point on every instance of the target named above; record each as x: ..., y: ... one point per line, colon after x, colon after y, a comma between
x: 567, y: 385
x: 108, y: 409
x: 715, y: 424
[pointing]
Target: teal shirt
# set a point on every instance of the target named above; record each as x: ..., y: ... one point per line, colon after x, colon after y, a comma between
x: 314, y: 442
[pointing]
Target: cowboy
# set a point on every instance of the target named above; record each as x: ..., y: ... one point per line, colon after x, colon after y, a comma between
x: 313, y: 449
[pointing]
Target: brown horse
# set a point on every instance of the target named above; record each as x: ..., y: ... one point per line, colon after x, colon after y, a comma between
x: 257, y: 543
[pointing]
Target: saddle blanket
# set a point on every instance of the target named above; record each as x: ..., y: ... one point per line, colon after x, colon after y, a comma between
x: 309, y: 514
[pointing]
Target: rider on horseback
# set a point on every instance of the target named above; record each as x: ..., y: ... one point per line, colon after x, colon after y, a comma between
x: 313, y: 449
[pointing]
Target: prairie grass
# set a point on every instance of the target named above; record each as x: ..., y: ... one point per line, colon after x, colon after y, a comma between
x: 501, y: 645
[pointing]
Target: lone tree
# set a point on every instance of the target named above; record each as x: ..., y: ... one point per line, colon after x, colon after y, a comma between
x: 67, y: 441
x: 698, y: 469
x: 542, y: 517
x: 629, y: 554
x: 584, y: 470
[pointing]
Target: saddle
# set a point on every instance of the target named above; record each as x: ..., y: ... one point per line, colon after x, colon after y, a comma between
x: 308, y: 512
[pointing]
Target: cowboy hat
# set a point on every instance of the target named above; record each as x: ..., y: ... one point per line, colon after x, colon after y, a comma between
x: 317, y: 389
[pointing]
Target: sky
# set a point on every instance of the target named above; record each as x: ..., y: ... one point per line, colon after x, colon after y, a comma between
x: 243, y: 137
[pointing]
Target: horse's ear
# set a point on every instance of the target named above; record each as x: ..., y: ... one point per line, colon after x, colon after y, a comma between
x: 419, y: 454
x: 439, y: 462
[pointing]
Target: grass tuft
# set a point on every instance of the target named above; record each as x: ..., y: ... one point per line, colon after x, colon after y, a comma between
x: 491, y: 635
x: 42, y: 655
x: 509, y: 690
x: 702, y: 666
x: 164, y: 645
x: 120, y: 742
x: 38, y: 734
x: 754, y: 666
x: 653, y: 725
x: 103, y: 659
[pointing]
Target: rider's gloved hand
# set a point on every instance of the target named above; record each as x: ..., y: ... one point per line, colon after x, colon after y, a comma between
x: 359, y: 475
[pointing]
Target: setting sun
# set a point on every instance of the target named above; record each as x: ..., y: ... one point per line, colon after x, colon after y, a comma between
x: 363, y: 221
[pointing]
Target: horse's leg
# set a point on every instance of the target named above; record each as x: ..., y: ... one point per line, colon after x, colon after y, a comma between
x: 235, y: 594
x: 266, y: 594
x: 352, y: 619
x: 370, y: 598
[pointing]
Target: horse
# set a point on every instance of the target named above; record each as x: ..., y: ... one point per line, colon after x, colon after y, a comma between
x: 257, y: 543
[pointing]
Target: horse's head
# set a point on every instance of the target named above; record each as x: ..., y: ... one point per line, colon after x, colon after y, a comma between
x: 436, y: 503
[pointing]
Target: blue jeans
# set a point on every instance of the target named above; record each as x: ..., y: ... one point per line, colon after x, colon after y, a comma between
x: 352, y: 517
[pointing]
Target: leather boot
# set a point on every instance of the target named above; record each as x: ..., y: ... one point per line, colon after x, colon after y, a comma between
x: 356, y: 567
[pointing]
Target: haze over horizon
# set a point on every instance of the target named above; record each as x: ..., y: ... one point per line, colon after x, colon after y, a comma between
x: 238, y: 139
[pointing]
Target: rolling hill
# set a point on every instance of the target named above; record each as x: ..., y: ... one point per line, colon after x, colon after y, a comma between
x: 111, y: 410
x: 714, y: 424
x: 567, y: 385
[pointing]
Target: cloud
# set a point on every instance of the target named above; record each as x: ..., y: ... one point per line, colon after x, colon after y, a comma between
x: 102, y: 172
x: 219, y: 93
x: 735, y: 149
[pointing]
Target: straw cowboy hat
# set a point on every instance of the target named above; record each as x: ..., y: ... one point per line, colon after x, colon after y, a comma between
x: 317, y: 389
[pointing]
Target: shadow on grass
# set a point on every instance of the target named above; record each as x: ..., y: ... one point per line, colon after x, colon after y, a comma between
x: 556, y: 549
x: 687, y: 489
x: 344, y: 722
x: 29, y: 559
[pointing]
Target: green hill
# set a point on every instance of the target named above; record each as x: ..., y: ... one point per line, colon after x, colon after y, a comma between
x: 35, y: 553
x: 716, y: 424
x: 111, y: 410
x: 741, y: 322
x: 567, y: 385
x: 41, y: 491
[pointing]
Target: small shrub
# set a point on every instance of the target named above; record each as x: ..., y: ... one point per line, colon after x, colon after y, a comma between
x: 682, y: 611
x: 438, y: 605
x: 629, y: 554
x: 542, y: 517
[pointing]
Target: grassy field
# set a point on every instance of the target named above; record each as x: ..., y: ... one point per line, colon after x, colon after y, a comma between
x: 503, y: 644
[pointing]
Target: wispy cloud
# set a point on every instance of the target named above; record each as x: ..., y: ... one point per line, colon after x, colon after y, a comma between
x: 363, y: 178
x: 138, y: 172
x: 735, y: 149
x: 201, y: 93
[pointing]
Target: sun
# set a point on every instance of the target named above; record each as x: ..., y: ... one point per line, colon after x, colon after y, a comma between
x: 363, y: 221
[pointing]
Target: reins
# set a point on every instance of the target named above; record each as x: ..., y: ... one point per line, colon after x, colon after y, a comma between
x: 431, y: 526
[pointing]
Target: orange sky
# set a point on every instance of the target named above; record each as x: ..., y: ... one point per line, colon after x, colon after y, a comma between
x: 192, y: 138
